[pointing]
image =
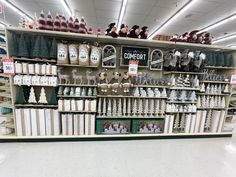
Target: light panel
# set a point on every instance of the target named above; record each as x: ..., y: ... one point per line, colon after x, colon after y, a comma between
x: 225, y: 38
x: 66, y: 7
x: 218, y: 23
x: 121, y: 15
x: 12, y: 6
x: 185, y: 7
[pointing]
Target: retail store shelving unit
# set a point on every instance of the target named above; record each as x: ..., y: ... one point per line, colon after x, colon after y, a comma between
x: 117, y: 42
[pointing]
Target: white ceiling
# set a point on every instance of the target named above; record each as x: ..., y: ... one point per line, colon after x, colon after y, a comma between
x: 99, y: 13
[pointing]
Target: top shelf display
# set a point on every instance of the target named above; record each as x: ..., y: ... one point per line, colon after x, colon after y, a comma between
x: 121, y: 40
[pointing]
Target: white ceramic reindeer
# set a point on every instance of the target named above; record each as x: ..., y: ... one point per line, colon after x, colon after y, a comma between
x: 61, y: 76
x: 76, y: 76
x: 90, y: 78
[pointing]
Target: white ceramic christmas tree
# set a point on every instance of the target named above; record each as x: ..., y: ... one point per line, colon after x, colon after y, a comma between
x: 42, y: 97
x: 83, y: 93
x: 114, y: 106
x: 208, y: 120
x: 163, y: 107
x: 32, y: 98
x: 89, y: 92
x: 212, y: 102
x: 119, y: 110
x: 193, y: 96
x: 104, y: 110
x: 151, y: 107
x: 226, y: 89
x: 146, y: 108
x: 223, y: 102
x: 72, y: 91
x: 203, y: 99
x: 124, y: 107
x: 202, y: 87
x: 163, y: 93
x: 157, y: 107
x: 219, y: 89
x: 99, y: 106
x: 208, y: 88
x: 134, y: 107
x: 183, y: 95
x: 173, y: 96
x: 129, y: 107
x: 140, y: 107
x: 199, y: 105
x: 95, y: 92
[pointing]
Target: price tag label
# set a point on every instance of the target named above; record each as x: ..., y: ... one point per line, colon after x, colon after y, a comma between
x: 133, y: 68
x: 233, y: 79
x: 8, y: 66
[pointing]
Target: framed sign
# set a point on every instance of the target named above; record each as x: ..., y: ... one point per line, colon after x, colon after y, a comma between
x: 8, y: 66
x: 130, y: 53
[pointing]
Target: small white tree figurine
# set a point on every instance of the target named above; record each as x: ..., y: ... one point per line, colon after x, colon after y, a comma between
x: 134, y: 110
x: 119, y: 110
x: 163, y: 107
x: 42, y: 97
x: 183, y: 96
x: 173, y: 95
x: 157, y: 107
x: 104, y: 110
x: 151, y: 108
x: 124, y: 107
x: 109, y: 107
x: 32, y: 98
x: 99, y: 106
x: 202, y: 88
x: 140, y: 107
x: 146, y: 108
x: 114, y: 111
x: 129, y: 107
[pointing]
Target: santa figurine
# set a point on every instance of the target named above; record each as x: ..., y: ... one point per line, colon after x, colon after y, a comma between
x: 144, y: 33
x: 207, y: 39
x: 90, y: 30
x: 123, y: 30
x: 174, y: 38
x: 49, y: 21
x: 63, y: 23
x: 134, y: 32
x: 42, y: 21
x: 185, y: 37
x: 76, y: 25
x: 82, y: 26
x: 71, y: 25
x: 192, y: 37
x: 111, y: 30
x: 56, y: 23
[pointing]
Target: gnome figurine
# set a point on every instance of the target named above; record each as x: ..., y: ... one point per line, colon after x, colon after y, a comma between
x: 123, y: 30
x: 56, y: 23
x: 76, y: 25
x: 82, y: 26
x: 90, y: 30
x: 111, y: 30
x: 71, y: 25
x: 134, y: 32
x: 42, y: 21
x: 63, y: 23
x: 49, y: 21
x: 144, y: 33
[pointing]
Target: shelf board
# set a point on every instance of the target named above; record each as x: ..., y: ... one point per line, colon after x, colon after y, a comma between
x: 36, y: 85
x: 181, y: 102
x: 184, y: 88
x: 152, y: 86
x: 5, y: 104
x: 88, y: 112
x: 215, y: 82
x: 213, y: 108
x: 181, y: 112
x: 9, y: 115
x: 68, y: 96
x: 73, y: 65
x: 181, y: 72
x: 5, y: 94
x: 36, y: 105
x: 129, y: 117
x: 214, y: 94
x: 13, y: 137
x: 9, y: 125
x: 220, y: 67
x: 34, y: 60
x: 125, y: 96
x: 120, y: 40
x: 31, y: 74
x: 76, y: 85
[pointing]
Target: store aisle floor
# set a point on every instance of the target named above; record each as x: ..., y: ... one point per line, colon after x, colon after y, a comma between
x: 146, y: 158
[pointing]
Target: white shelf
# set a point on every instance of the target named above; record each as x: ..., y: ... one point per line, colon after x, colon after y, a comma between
x: 181, y: 112
x: 34, y: 60
x: 124, y: 96
x: 220, y: 67
x: 152, y: 86
x: 86, y: 112
x: 184, y: 88
x: 36, y: 85
x: 120, y: 40
x: 181, y: 102
x: 215, y: 82
x: 214, y: 94
x: 35, y: 74
x: 68, y: 96
x: 104, y: 136
x: 130, y: 117
x: 73, y: 65
x: 212, y: 108
x: 181, y: 72
x: 76, y: 85
x: 36, y: 105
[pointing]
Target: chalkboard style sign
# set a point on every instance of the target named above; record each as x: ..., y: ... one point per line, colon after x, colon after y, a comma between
x: 129, y: 53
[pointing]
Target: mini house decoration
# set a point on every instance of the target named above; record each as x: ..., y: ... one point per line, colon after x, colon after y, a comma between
x: 156, y: 62
x: 109, y: 56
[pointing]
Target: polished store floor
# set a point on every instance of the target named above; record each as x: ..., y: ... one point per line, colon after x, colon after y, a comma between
x: 144, y: 158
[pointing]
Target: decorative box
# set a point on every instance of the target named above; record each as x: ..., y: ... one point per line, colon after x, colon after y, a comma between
x: 113, y: 126
x: 147, y: 126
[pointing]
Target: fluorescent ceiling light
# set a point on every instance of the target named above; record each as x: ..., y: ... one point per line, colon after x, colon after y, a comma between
x: 218, y: 23
x: 3, y: 23
x: 66, y: 6
x: 16, y: 9
x: 225, y: 38
x: 172, y: 18
x: 121, y: 15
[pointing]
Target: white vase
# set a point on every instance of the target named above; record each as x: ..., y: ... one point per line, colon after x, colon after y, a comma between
x: 18, y: 68
x: 48, y: 69
x: 37, y: 68
x: 53, y: 69
x: 43, y: 69
x: 31, y: 68
x: 25, y: 68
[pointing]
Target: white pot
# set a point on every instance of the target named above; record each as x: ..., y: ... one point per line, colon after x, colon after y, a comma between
x: 37, y: 68
x: 54, y: 70
x: 18, y: 68
x: 48, y: 69
x: 31, y: 68
x: 25, y: 68
x: 43, y: 69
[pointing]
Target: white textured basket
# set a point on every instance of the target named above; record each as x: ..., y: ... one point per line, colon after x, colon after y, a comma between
x: 37, y: 68
x: 18, y: 68
x: 25, y: 68
x: 48, y: 69
x: 31, y: 68
x: 54, y: 70
x: 43, y: 69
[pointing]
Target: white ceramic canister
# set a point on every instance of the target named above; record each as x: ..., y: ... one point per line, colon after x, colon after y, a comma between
x: 31, y: 68
x: 25, y: 68
x: 53, y: 69
x: 48, y: 69
x: 43, y: 69
x: 37, y: 68
x: 18, y: 68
